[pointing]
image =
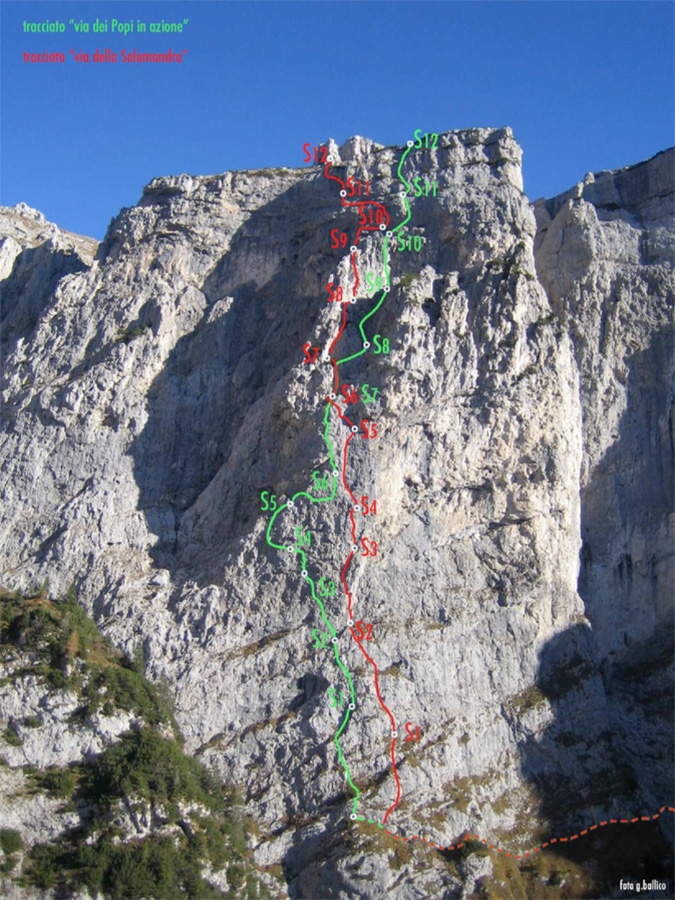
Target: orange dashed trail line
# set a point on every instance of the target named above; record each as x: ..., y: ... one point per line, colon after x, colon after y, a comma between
x: 364, y: 226
x: 550, y: 843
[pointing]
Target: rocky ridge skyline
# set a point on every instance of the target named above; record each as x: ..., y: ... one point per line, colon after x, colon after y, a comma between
x: 521, y: 596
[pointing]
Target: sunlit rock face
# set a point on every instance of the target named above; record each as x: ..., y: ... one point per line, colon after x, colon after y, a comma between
x: 521, y: 595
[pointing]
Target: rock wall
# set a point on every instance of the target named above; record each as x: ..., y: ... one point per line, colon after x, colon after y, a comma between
x: 604, y: 253
x: 520, y: 411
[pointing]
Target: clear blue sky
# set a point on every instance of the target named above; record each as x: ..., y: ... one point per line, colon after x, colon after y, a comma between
x: 584, y: 85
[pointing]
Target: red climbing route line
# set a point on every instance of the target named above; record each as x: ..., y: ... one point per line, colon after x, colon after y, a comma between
x: 356, y: 274
x: 327, y: 174
x: 344, y: 584
x: 354, y: 429
x: 351, y: 516
x: 343, y: 578
x: 359, y: 635
x: 393, y: 725
x: 336, y: 381
x: 344, y: 419
x: 344, y: 476
x: 363, y: 226
x: 360, y: 204
x: 537, y: 849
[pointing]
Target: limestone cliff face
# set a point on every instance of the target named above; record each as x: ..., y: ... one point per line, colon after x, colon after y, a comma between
x: 605, y: 254
x: 522, y: 470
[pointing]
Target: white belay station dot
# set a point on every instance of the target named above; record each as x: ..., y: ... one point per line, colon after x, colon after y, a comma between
x: 343, y: 193
x: 352, y: 249
x: 410, y: 143
x: 355, y: 547
x: 304, y: 573
x: 355, y: 428
x: 352, y: 706
x: 290, y: 504
x: 334, y: 640
x: 382, y: 227
x: 387, y: 288
x: 366, y: 345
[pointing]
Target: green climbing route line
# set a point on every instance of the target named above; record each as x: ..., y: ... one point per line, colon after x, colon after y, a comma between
x: 319, y: 602
x: 385, y: 261
x: 400, y: 166
x: 335, y: 476
x: 331, y: 456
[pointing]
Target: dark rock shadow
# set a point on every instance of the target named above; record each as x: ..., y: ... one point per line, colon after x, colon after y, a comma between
x: 626, y: 571
x: 236, y: 365
x: 261, y: 309
x: 29, y: 288
x: 581, y: 777
x: 310, y: 865
x: 573, y: 764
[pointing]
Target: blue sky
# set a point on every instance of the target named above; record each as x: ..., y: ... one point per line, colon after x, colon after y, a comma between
x: 584, y: 85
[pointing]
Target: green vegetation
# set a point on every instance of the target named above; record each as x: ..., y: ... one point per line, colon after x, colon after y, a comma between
x: 144, y: 765
x: 122, y: 686
x: 568, y: 675
x: 527, y: 371
x: 526, y: 700
x: 129, y: 333
x: 68, y: 651
x: 145, y: 774
x: 154, y: 867
x: 59, y: 783
x: 10, y: 840
x: 517, y: 270
x: 31, y: 722
x: 509, y: 341
x: 462, y: 791
x: 544, y: 875
x: 409, y: 278
x: 200, y: 822
x: 375, y: 840
x: 11, y: 737
x: 472, y: 847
